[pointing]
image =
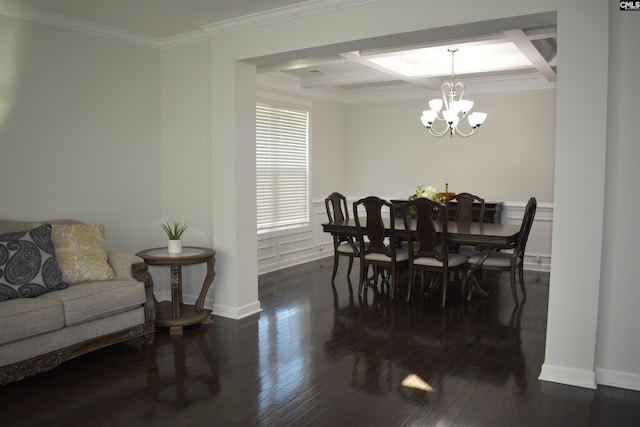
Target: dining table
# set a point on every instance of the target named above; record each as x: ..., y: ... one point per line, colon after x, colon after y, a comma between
x: 488, y: 236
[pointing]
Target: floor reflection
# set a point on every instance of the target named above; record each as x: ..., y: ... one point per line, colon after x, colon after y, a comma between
x: 387, y: 342
x: 182, y: 369
x: 281, y: 360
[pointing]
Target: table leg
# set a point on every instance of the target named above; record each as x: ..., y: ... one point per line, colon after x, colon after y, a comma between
x: 176, y: 291
x: 476, y: 285
x: 206, y: 284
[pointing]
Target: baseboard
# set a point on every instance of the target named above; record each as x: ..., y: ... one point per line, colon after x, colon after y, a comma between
x: 216, y: 309
x: 618, y: 379
x: 163, y: 295
x: 236, y: 312
x: 569, y: 376
x: 293, y: 262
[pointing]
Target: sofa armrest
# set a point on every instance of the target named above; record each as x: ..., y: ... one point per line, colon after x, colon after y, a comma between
x: 140, y: 271
x: 121, y: 264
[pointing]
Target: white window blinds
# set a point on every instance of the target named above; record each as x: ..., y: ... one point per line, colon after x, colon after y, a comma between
x: 281, y: 166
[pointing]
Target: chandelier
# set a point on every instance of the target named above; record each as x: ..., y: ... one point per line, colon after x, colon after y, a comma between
x: 441, y: 121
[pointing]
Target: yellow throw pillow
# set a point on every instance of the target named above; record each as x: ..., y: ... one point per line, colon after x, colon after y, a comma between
x: 81, y: 253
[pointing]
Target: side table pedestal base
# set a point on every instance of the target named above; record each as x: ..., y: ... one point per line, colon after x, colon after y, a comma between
x: 188, y: 316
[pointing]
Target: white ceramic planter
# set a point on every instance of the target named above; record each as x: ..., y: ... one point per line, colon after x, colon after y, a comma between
x: 174, y: 246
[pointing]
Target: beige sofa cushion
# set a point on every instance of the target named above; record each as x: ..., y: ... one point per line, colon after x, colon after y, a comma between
x: 95, y: 300
x: 27, y: 317
x: 17, y: 351
x: 81, y: 252
x: 121, y: 263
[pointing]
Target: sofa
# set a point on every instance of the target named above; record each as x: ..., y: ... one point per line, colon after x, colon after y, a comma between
x: 62, y: 295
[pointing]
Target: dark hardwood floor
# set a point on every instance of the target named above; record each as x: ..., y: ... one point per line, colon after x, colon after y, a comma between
x: 317, y: 356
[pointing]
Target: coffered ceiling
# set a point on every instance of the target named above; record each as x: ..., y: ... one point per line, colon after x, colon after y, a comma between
x: 522, y: 52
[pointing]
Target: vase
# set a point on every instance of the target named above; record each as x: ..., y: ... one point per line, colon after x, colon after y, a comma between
x: 174, y: 246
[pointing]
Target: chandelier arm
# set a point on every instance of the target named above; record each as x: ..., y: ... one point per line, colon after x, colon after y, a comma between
x: 472, y: 132
x: 460, y: 86
x: 434, y: 132
x: 448, y: 92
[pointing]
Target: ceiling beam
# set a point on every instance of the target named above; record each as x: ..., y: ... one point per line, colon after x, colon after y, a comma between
x: 522, y: 42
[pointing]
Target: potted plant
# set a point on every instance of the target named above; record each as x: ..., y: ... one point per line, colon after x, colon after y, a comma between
x: 174, y: 233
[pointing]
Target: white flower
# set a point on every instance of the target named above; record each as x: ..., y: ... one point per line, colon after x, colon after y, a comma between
x: 430, y: 193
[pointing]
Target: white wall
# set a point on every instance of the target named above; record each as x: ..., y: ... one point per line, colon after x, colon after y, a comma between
x: 329, y: 162
x: 79, y: 130
x: 509, y: 159
x: 186, y: 160
x: 618, y: 346
x: 580, y: 165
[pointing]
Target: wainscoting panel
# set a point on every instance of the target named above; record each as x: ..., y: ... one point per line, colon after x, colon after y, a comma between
x: 267, y: 251
x: 285, y: 249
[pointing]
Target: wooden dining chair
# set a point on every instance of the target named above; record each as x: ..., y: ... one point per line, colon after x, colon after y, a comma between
x: 381, y: 253
x: 429, y: 249
x: 512, y: 262
x: 466, y: 204
x: 343, y: 245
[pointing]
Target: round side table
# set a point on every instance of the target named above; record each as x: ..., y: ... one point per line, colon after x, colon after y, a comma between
x: 175, y: 314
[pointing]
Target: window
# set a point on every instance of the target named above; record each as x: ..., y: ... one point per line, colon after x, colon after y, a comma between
x: 282, y: 171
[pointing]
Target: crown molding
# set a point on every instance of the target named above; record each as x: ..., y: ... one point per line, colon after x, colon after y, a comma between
x: 310, y: 7
x: 36, y: 15
x: 182, y: 39
x: 306, y: 8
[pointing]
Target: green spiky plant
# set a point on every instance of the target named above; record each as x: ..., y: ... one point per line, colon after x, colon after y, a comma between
x: 175, y: 231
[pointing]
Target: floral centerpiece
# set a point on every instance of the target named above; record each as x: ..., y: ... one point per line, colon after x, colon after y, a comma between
x: 430, y: 193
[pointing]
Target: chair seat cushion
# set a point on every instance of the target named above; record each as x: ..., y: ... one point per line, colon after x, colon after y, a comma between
x: 467, y: 250
x: 454, y: 261
x: 346, y: 248
x: 491, y: 259
x: 402, y: 254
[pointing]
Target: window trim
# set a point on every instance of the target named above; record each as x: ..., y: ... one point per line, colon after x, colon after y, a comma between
x: 286, y: 103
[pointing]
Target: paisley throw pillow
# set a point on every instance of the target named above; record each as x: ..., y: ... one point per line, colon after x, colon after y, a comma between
x: 28, y: 266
